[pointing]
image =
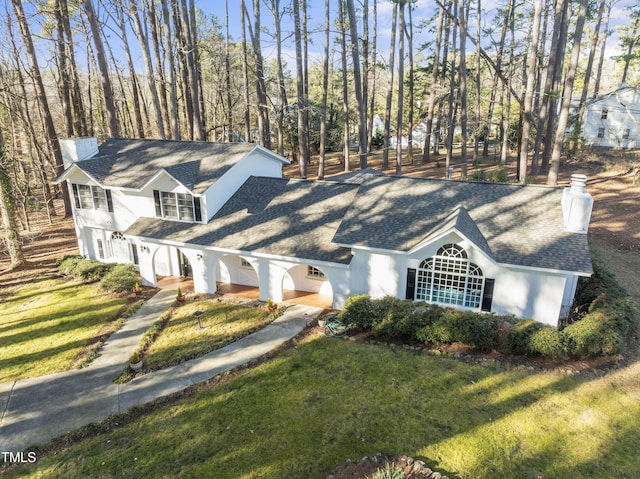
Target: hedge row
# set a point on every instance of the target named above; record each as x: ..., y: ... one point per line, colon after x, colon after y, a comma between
x: 113, y: 277
x: 602, y: 330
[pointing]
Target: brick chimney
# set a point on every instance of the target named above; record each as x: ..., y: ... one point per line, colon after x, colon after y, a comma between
x: 78, y: 149
x: 577, y: 204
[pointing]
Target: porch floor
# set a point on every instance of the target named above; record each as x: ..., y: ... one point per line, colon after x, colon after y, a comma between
x: 250, y: 292
x: 290, y: 296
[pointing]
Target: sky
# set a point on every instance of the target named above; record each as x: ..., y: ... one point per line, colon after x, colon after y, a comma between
x: 423, y: 9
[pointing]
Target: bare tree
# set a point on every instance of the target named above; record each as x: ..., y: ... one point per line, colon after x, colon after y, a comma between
x: 101, y: 57
x: 325, y: 90
x: 389, y: 99
x: 357, y: 82
x: 532, y: 60
x: 399, y: 119
x: 563, y: 119
x: 303, y: 108
x: 8, y: 212
x: 50, y: 130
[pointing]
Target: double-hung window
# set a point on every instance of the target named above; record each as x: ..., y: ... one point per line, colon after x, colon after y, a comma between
x: 90, y: 197
x: 177, y: 206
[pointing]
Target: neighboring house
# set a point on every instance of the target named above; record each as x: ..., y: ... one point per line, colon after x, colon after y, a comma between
x: 613, y: 120
x: 224, y: 213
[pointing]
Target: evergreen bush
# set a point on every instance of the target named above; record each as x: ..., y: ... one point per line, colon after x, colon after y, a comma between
x: 121, y: 278
x: 358, y: 311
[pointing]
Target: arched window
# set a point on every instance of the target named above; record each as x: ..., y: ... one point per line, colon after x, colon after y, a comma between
x: 450, y: 278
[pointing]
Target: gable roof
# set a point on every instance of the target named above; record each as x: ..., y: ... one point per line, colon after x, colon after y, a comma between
x: 514, y: 224
x: 132, y: 163
x: 283, y: 217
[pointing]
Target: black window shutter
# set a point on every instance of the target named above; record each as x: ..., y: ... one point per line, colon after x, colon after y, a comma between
x: 156, y: 198
x: 487, y: 295
x: 76, y: 198
x: 411, y: 284
x: 109, y: 200
x: 134, y: 253
x: 197, y: 211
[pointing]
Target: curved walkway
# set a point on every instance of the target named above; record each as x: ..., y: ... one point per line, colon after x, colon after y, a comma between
x: 36, y: 410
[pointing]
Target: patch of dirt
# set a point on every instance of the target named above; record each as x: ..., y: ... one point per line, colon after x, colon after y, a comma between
x: 367, y: 466
x: 42, y: 246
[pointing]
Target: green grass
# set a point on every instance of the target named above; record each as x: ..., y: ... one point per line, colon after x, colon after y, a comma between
x: 323, y: 401
x: 45, y: 325
x: 180, y: 340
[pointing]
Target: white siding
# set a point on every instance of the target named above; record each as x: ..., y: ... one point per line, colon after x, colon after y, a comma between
x: 256, y: 163
x: 623, y: 114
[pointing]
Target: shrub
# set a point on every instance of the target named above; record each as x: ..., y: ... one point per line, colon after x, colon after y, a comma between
x: 121, y: 278
x: 67, y: 264
x: 547, y: 341
x: 518, y: 336
x: 358, y: 311
x: 609, y: 315
x: 474, y: 329
x: 392, y: 317
x: 83, y: 268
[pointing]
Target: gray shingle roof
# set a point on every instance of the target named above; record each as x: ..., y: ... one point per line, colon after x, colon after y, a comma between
x: 521, y: 224
x: 292, y: 218
x: 129, y: 163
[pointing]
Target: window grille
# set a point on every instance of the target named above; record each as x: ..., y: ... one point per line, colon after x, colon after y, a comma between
x: 450, y: 278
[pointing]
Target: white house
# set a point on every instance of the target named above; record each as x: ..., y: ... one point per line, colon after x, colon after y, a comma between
x: 613, y: 120
x: 223, y: 213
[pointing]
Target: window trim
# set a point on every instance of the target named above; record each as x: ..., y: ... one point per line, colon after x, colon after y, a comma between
x: 315, y: 273
x: 94, y: 192
x: 450, y: 278
x: 196, y: 206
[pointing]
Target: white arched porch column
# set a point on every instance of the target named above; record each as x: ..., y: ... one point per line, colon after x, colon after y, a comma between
x: 146, y: 264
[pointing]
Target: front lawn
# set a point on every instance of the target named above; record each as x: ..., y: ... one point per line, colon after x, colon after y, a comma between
x: 45, y: 326
x: 183, y: 337
x: 325, y: 400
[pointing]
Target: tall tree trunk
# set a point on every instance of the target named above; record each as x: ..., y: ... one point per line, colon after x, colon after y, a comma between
x: 563, y: 119
x: 463, y: 14
x: 434, y: 81
x: 245, y: 73
x: 556, y: 86
x: 603, y: 46
x: 79, y: 119
x: 261, y: 89
x: 409, y: 32
x: 496, y: 79
x: 532, y: 61
x: 190, y: 44
x: 372, y: 99
x: 63, y: 69
x: 151, y: 15
x: 146, y: 55
x: 107, y: 89
x: 478, y: 130
x: 122, y: 24
x: 389, y: 99
x: 303, y: 110
x: 8, y: 212
x: 452, y: 94
x: 587, y: 74
x: 325, y: 90
x: 227, y: 68
x: 173, y: 87
x: 50, y: 130
x: 399, y: 124
x: 357, y: 82
x: 345, y: 84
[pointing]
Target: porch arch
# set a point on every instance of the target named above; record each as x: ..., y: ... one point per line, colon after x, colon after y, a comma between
x: 307, y: 284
